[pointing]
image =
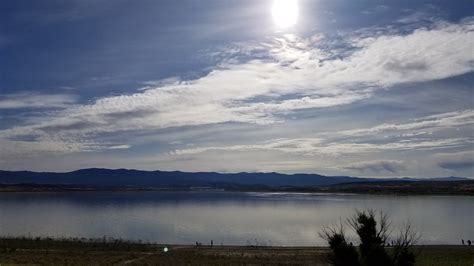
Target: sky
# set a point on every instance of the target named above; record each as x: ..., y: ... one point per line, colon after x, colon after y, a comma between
x: 361, y: 88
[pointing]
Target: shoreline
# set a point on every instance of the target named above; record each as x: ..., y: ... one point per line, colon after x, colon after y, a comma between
x: 32, y: 241
x: 461, y: 189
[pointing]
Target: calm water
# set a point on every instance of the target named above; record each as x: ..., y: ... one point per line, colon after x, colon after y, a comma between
x: 228, y: 218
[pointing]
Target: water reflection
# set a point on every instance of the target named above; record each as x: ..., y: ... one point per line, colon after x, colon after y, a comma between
x: 228, y: 218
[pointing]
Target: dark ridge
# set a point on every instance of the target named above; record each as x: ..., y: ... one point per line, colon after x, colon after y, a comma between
x: 139, y: 178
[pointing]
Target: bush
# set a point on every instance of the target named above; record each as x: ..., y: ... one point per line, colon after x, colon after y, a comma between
x: 373, y: 234
x: 343, y: 253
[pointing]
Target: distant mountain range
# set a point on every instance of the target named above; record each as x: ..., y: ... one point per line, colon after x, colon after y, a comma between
x: 138, y: 178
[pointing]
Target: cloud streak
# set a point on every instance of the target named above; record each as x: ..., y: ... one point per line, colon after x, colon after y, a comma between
x: 314, y: 146
x: 420, y: 126
x: 421, y: 134
x: 391, y: 166
x: 456, y: 161
x: 34, y: 100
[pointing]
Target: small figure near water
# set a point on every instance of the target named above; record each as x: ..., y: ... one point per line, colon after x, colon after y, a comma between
x: 469, y: 242
x: 462, y: 240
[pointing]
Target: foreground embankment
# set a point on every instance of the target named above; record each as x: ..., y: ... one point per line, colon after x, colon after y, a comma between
x: 79, y: 252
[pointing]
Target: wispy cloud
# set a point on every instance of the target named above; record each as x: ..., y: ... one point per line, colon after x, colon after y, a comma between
x: 375, y: 9
x: 291, y: 74
x: 420, y: 126
x: 120, y: 147
x: 314, y: 146
x: 35, y: 100
x: 378, y: 166
x: 410, y: 136
x: 456, y: 161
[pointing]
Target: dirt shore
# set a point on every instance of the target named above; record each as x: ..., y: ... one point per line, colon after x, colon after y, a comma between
x: 53, y: 252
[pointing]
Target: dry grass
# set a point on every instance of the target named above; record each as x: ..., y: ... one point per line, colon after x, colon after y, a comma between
x: 51, y: 252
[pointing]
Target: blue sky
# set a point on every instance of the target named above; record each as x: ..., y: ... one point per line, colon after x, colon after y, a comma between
x: 366, y: 88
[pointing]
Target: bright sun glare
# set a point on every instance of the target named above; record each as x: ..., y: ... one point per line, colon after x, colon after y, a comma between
x: 285, y: 13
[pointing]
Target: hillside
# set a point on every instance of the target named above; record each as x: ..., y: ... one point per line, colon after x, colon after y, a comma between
x: 125, y: 177
x: 121, y: 178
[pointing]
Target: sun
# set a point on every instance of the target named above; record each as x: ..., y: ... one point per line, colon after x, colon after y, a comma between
x: 285, y: 13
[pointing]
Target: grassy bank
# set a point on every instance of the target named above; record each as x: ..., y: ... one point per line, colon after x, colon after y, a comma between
x: 116, y: 252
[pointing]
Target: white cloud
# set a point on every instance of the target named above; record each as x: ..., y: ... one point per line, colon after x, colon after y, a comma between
x: 14, y: 150
x: 296, y: 74
x: 404, y: 137
x: 34, y: 100
x: 120, y: 147
x: 420, y: 126
x: 301, y: 145
x: 314, y: 146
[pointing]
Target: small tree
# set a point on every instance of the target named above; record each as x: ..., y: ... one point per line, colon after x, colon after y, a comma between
x: 344, y: 254
x: 402, y: 253
x: 373, y: 232
x: 372, y: 235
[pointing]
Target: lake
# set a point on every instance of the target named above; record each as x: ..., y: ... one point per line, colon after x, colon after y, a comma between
x: 284, y: 219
